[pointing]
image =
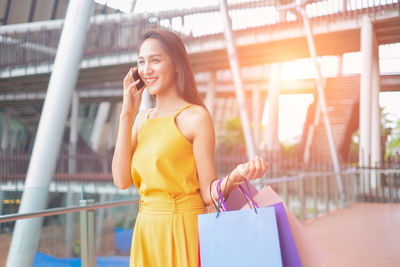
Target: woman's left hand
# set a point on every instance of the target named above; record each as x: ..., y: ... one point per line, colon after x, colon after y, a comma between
x: 250, y: 170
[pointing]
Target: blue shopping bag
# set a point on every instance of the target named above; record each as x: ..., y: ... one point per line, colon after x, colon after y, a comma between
x: 239, y: 238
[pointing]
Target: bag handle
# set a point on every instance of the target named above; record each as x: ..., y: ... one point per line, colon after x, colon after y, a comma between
x: 213, y: 204
x: 246, y: 195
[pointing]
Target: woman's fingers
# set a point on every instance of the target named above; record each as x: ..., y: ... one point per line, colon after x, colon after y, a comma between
x: 252, y: 169
x: 257, y: 168
x: 264, y: 165
x: 128, y: 78
x: 132, y: 87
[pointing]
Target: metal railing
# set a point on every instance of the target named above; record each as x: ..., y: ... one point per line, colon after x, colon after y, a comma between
x: 34, y: 44
x: 87, y: 223
x: 308, y: 195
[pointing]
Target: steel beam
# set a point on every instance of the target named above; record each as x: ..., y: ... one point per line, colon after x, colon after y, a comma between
x: 237, y: 80
x: 271, y: 129
x: 323, y: 105
x: 26, y: 234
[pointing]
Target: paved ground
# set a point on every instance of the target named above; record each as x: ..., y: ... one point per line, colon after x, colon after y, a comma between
x: 365, y: 234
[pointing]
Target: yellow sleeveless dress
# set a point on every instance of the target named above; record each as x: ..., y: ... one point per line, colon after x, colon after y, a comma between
x: 164, y: 171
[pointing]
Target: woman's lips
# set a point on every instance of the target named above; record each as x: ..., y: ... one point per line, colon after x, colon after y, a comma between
x: 150, y: 80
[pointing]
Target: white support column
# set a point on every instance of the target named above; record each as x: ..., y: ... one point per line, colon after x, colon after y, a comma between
x: 271, y: 130
x: 375, y: 111
x: 210, y: 94
x: 73, y: 133
x: 100, y: 224
x: 323, y: 106
x: 256, y: 114
x: 343, y: 5
x: 1, y: 201
x: 113, y: 126
x: 69, y: 224
x: 73, y: 140
x: 98, y: 127
x: 340, y: 65
x: 6, y: 128
x: 237, y: 80
x: 375, y: 115
x: 26, y: 234
x: 365, y: 95
x: 310, y: 133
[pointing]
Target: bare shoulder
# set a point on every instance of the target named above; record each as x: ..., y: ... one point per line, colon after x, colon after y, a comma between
x: 197, y: 115
x: 195, y: 121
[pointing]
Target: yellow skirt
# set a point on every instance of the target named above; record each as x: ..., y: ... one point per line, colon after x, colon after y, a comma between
x: 166, y: 232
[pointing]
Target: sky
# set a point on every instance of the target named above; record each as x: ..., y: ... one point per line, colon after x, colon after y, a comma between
x: 292, y: 108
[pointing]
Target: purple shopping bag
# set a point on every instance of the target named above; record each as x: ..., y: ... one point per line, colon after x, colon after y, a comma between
x: 290, y: 255
x: 309, y: 252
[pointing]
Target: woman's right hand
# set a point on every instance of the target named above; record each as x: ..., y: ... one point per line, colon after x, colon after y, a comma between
x: 131, y: 97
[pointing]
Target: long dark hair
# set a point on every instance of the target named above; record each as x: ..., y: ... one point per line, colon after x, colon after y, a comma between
x: 175, y: 48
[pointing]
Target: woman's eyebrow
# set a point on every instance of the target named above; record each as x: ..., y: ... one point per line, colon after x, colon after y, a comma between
x: 150, y: 56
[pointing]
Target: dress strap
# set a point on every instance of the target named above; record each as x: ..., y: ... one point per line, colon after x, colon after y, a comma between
x: 181, y: 109
x: 148, y: 113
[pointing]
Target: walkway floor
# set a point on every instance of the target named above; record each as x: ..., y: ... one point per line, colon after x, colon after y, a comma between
x: 365, y: 234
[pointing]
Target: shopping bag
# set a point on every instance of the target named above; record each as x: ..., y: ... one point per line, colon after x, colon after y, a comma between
x: 235, y: 200
x: 239, y: 238
x: 309, y: 252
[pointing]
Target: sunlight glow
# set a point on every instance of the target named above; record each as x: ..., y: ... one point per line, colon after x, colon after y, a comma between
x: 304, y: 68
x: 292, y: 114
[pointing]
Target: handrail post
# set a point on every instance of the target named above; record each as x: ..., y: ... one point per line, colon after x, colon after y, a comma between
x: 303, y: 214
x: 88, y: 253
x: 315, y: 196
x: 326, y: 193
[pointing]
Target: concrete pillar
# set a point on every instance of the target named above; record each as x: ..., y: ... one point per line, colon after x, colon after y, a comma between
x: 6, y: 128
x: 365, y: 92
x: 323, y: 106
x: 256, y: 114
x: 340, y: 65
x: 1, y: 202
x: 113, y: 126
x: 375, y: 110
x: 100, y: 120
x: 26, y: 234
x: 365, y: 99
x: 237, y: 80
x: 69, y: 224
x: 343, y: 5
x: 100, y: 224
x: 73, y: 133
x: 271, y: 130
x: 310, y: 133
x: 210, y: 93
x: 375, y: 116
x: 73, y: 141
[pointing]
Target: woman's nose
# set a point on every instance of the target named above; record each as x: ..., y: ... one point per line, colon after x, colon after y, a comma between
x: 147, y: 68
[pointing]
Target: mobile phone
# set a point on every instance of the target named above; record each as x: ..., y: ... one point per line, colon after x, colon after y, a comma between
x: 135, y: 76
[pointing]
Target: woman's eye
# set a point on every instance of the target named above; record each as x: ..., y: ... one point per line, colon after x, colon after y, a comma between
x: 155, y: 60
x: 140, y: 62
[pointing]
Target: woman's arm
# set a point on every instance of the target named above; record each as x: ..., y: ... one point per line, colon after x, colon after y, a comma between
x: 204, y: 153
x: 126, y: 138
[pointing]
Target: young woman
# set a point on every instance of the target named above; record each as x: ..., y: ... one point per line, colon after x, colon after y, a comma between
x: 168, y: 153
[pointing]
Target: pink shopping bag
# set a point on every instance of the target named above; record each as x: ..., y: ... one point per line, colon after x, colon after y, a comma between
x: 310, y: 253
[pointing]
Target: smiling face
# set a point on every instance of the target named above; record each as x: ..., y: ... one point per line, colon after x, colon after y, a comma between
x: 155, y: 67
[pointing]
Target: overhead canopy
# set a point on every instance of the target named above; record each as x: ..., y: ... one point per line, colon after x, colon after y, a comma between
x: 24, y: 11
